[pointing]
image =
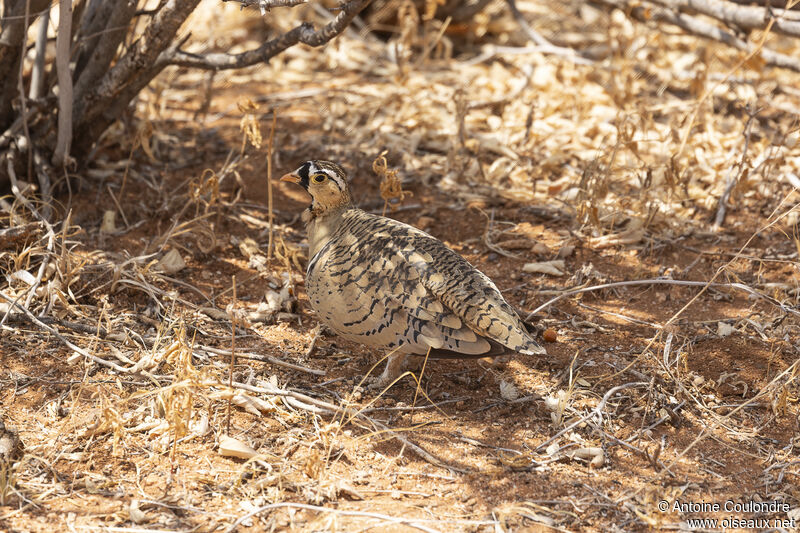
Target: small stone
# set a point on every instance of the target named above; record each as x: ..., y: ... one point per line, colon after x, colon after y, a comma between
x: 540, y: 249
x: 566, y: 251
x: 172, y: 262
x: 109, y: 224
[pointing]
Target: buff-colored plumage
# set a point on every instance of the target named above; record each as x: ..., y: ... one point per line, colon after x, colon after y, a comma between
x: 383, y: 283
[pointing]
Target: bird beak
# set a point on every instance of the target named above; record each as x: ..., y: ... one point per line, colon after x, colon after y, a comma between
x: 291, y: 176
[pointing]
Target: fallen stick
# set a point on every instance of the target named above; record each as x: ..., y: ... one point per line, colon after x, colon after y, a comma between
x: 336, y: 409
x: 57, y: 335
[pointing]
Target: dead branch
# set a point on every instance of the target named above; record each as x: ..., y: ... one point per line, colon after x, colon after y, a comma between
x: 746, y: 18
x: 93, y: 23
x: 23, y: 100
x: 60, y: 337
x: 304, y: 33
x: 12, y: 37
x: 386, y: 519
x: 90, y: 329
x: 266, y: 359
x: 733, y: 178
x: 266, y: 5
x: 106, y: 101
x: 105, y: 83
x: 16, y: 234
x: 37, y: 73
x: 646, y: 12
x: 94, y: 60
x: 770, y: 3
x: 657, y: 281
x: 63, y: 38
x: 544, y: 46
x: 352, y: 413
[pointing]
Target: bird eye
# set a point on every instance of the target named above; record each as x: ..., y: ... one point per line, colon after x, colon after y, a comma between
x: 319, y: 178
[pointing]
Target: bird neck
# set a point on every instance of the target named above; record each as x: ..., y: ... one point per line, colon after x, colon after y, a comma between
x: 323, y: 205
x: 320, y: 226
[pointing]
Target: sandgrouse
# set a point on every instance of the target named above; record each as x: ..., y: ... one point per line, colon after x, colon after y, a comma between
x: 383, y: 283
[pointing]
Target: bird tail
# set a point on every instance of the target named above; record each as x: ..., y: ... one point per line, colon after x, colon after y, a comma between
x: 533, y: 348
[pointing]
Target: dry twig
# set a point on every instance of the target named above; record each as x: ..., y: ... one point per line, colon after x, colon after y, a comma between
x: 267, y: 359
x: 409, y: 522
x: 66, y: 342
x: 646, y: 12
x: 543, y: 45
x: 704, y: 284
x: 270, y: 156
x: 744, y: 18
x: 336, y: 410
x: 266, y: 5
x: 597, y: 411
x: 304, y: 33
x: 734, y: 178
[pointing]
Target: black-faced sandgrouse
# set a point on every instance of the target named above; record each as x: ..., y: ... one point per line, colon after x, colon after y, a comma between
x: 386, y: 284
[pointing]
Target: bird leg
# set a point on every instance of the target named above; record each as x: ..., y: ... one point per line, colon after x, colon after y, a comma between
x: 394, y: 367
x: 499, y: 361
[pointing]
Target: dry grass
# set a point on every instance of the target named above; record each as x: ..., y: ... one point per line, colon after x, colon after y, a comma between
x: 116, y: 319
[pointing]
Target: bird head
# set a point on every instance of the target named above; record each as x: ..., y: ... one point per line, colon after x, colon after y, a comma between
x: 325, y: 182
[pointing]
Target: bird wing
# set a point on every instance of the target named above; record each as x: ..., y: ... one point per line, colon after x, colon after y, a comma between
x: 402, y: 286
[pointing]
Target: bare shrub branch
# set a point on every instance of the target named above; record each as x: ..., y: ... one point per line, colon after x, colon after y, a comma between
x: 539, y: 40
x: 37, y: 73
x: 94, y: 60
x: 269, y: 4
x: 61, y: 152
x: 104, y: 103
x: 647, y: 12
x: 743, y: 17
x: 304, y: 33
x: 14, y: 31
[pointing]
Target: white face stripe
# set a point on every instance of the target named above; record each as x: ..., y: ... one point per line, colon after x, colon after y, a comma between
x: 335, y: 176
x: 327, y: 168
x: 337, y: 179
x: 323, y: 194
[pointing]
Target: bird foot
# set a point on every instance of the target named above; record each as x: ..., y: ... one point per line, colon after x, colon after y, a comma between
x: 499, y: 362
x: 395, y: 366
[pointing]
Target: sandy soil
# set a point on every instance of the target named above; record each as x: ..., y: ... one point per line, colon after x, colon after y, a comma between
x: 650, y: 393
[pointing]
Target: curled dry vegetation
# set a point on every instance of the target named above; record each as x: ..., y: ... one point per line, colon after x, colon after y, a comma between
x: 604, y: 154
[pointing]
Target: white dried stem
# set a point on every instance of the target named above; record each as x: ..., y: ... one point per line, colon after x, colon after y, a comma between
x: 742, y: 17
x: 37, y: 74
x: 60, y: 337
x: 63, y: 40
x: 647, y: 12
x: 266, y: 5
